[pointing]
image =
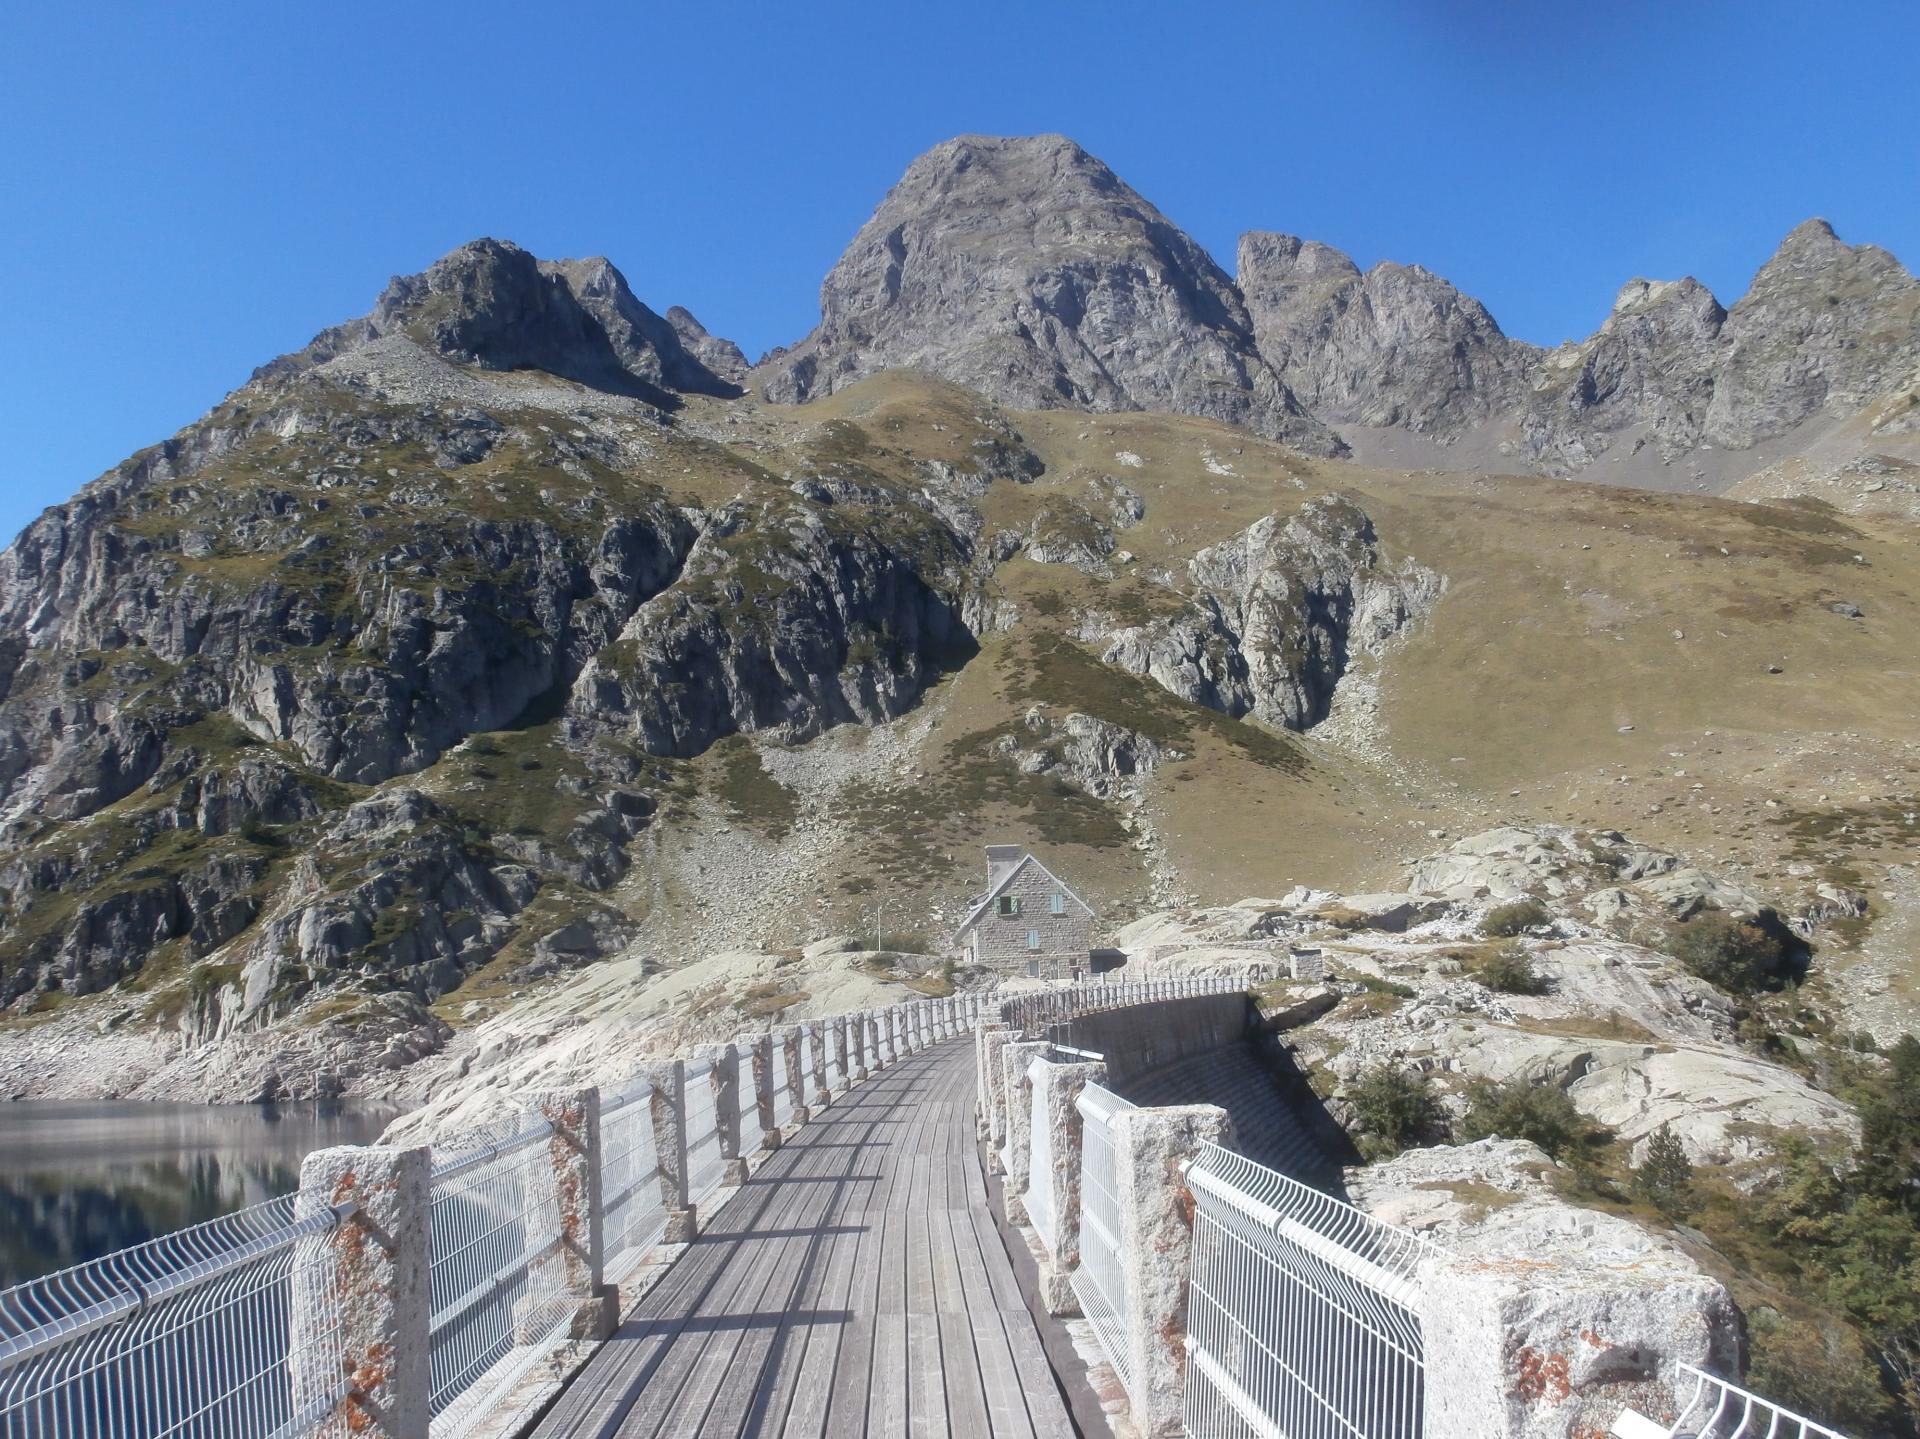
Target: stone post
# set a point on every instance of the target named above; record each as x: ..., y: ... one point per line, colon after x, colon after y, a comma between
x: 375, y: 1263
x: 1156, y: 1246
x: 760, y: 1047
x: 565, y: 1175
x: 990, y: 1109
x: 1014, y: 1059
x: 886, y: 1036
x: 669, y: 1080
x: 1523, y: 1345
x: 787, y: 1037
x: 821, y: 1035
x: 854, y: 1028
x: 943, y: 1018
x: 726, y: 1108
x: 1065, y: 1131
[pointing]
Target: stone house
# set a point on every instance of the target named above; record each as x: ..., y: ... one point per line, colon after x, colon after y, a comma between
x: 1028, y: 922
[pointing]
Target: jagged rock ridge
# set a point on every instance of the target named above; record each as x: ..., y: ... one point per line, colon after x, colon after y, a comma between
x: 1026, y: 269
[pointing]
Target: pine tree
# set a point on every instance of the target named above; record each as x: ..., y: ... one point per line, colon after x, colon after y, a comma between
x: 1665, y: 1177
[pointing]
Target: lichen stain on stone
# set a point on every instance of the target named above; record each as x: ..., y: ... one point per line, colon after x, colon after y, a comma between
x: 1542, y: 1377
x: 369, y: 1377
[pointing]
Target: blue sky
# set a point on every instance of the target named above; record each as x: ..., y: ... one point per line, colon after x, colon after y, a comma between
x: 189, y: 190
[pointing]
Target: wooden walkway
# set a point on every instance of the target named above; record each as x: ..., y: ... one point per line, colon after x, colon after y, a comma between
x: 854, y: 1288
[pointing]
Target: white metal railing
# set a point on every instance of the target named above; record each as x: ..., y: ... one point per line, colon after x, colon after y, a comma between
x: 633, y: 1210
x: 497, y: 1309
x: 1718, y: 1409
x: 1302, y: 1311
x: 706, y: 1165
x: 1039, y: 1196
x: 234, y: 1329
x: 1038, y: 1010
x: 189, y: 1336
x: 1100, y: 1281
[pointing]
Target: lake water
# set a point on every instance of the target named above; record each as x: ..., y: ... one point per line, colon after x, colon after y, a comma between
x: 80, y: 1179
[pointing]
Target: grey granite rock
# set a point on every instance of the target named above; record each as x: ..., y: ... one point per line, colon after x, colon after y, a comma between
x: 1396, y: 345
x: 1026, y: 269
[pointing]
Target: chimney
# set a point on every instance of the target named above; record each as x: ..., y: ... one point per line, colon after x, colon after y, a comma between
x: 1001, y: 858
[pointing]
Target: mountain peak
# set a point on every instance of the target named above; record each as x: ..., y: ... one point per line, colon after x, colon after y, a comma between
x: 1024, y: 268
x: 491, y: 305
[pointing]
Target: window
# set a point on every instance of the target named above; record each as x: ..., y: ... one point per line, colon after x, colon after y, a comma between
x: 1058, y: 904
x: 1033, y: 968
x: 1033, y: 939
x: 1009, y: 904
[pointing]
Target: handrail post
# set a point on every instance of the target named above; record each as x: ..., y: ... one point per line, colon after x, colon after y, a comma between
x: 760, y: 1047
x: 787, y: 1036
x: 1066, y: 1137
x: 819, y: 1034
x: 669, y: 1080
x: 725, y: 1060
x: 854, y: 1026
x: 990, y: 1120
x: 1151, y: 1147
x: 566, y: 1176
x: 376, y: 1261
x: 1018, y: 1101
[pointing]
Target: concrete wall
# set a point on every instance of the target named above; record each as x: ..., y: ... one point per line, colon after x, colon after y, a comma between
x: 1144, y: 1037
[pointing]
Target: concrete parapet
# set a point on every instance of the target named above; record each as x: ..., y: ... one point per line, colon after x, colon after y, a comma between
x: 726, y: 1108
x: 988, y: 1044
x: 1151, y: 1148
x: 1533, y: 1348
x: 1139, y: 1038
x: 669, y: 1080
x: 565, y: 1176
x: 376, y: 1263
x: 1059, y: 1086
x: 1017, y: 1102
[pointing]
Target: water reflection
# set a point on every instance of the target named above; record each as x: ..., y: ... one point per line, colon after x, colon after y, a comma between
x: 81, y: 1179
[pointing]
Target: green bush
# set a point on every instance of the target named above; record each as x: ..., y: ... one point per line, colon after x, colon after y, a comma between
x: 1510, y: 971
x: 1824, y: 1373
x: 1665, y: 1177
x: 1738, y: 955
x: 1540, y: 1112
x: 1393, y: 1109
x: 1504, y: 921
x: 904, y: 942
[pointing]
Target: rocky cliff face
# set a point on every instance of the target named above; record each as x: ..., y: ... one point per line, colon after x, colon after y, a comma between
x: 1029, y: 271
x: 1277, y: 614
x: 1395, y: 346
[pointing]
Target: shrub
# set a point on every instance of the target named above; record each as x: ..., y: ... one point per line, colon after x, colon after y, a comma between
x: 1510, y: 971
x: 1504, y: 921
x: 1665, y: 1177
x: 1540, y: 1112
x: 1820, y: 1371
x: 904, y: 942
x: 1392, y: 1108
x: 1738, y: 955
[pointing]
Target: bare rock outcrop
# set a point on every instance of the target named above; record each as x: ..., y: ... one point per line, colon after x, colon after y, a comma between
x: 1395, y: 346
x: 1026, y: 269
x: 1278, y: 613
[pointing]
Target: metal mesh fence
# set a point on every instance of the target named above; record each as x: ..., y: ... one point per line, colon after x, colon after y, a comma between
x: 185, y: 1337
x: 1302, y: 1312
x: 497, y: 1307
x: 633, y: 1208
x: 1100, y: 1283
x: 783, y: 1081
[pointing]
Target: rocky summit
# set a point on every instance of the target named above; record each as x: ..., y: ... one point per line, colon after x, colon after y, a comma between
x: 1027, y: 270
